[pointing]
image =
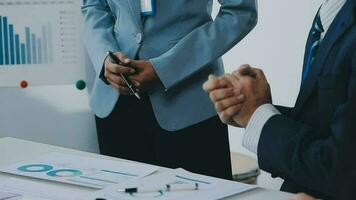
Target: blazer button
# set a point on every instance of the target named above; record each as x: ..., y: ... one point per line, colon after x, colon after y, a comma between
x: 139, y: 38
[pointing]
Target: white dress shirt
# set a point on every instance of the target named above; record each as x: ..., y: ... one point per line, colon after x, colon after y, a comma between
x: 328, y: 12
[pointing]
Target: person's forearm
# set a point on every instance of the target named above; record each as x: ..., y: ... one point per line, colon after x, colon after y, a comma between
x: 98, y: 29
x: 295, y: 151
x: 257, y: 122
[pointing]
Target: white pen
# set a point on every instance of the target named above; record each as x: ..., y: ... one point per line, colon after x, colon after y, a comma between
x: 168, y: 187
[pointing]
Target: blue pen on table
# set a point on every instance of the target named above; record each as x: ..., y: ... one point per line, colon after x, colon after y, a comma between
x: 129, y: 84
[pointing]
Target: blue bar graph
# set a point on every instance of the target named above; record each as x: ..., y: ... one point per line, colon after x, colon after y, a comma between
x: 28, y: 45
x: 44, y: 45
x: 17, y: 47
x: 39, y: 47
x: 50, y: 48
x: 12, y: 44
x: 23, y: 53
x: 1, y: 44
x: 6, y: 41
x: 24, y: 48
x: 34, y: 48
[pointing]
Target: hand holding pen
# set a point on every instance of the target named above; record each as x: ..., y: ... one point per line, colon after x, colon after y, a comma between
x: 117, y: 70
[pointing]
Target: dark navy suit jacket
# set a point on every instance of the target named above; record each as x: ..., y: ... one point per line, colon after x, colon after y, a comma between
x: 302, y: 145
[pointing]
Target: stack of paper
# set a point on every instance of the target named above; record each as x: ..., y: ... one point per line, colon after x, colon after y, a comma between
x: 113, y: 176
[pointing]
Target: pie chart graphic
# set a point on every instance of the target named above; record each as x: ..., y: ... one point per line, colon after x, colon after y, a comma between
x: 35, y: 168
x: 64, y: 173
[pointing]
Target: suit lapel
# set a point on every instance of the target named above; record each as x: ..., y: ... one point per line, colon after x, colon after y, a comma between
x: 339, y: 26
x: 135, y: 6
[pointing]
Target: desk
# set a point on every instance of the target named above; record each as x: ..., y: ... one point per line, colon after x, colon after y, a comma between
x: 15, y: 150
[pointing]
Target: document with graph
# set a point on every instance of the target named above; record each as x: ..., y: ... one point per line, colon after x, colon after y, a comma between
x: 40, y: 42
x: 80, y: 170
x: 208, y: 188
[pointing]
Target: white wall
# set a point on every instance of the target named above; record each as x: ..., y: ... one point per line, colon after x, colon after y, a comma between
x: 60, y: 115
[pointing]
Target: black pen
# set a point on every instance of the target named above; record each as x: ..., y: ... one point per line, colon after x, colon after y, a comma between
x: 129, y: 84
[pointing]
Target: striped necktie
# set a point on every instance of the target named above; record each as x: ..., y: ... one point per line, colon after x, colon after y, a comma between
x: 313, y: 46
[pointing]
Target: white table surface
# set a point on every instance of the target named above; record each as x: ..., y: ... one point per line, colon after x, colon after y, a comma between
x: 14, y: 150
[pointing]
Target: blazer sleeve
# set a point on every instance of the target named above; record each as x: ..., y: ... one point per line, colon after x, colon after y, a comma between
x: 207, y: 43
x: 99, y: 24
x: 297, y: 152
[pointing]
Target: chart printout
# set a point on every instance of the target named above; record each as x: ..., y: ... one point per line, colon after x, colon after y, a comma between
x: 78, y: 170
x: 40, y: 42
x: 210, y: 188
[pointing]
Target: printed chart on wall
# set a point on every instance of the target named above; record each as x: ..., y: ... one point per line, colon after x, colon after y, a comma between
x: 78, y: 170
x: 40, y: 42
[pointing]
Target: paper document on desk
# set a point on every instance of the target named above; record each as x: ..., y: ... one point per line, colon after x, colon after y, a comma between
x: 6, y: 195
x: 209, y: 188
x: 30, y: 190
x: 80, y: 170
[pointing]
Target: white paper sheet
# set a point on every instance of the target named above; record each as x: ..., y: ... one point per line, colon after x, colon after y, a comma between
x: 6, y: 195
x: 30, y: 190
x: 209, y: 188
x: 79, y: 170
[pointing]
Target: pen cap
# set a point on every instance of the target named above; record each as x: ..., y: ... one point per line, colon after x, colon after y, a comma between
x: 183, y: 186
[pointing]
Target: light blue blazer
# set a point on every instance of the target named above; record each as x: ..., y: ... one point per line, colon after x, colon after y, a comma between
x: 181, y: 40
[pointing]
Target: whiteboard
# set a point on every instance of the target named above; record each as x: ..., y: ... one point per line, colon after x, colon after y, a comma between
x: 40, y: 42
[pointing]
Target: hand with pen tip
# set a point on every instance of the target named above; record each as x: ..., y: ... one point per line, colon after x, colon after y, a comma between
x: 113, y: 71
x: 138, y: 73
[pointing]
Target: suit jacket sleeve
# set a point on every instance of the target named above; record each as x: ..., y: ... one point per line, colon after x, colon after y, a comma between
x: 297, y: 152
x: 284, y: 110
x: 207, y: 43
x: 98, y: 31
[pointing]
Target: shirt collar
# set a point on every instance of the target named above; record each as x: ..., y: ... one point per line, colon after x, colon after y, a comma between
x: 329, y: 11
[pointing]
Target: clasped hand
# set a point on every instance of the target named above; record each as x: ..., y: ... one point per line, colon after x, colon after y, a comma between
x: 140, y: 73
x: 236, y: 96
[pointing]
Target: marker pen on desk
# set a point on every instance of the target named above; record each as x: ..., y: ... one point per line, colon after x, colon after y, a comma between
x: 168, y: 187
x: 115, y: 60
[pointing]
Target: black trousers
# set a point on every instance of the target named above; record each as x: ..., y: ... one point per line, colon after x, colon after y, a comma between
x: 132, y: 132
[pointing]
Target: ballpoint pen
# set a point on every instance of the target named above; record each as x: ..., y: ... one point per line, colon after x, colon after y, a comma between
x: 129, y: 84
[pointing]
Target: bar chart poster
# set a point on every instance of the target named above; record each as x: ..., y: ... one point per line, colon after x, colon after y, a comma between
x: 40, y: 42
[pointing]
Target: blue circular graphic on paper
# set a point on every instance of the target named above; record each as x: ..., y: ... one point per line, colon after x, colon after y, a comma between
x: 35, y: 168
x: 64, y: 173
